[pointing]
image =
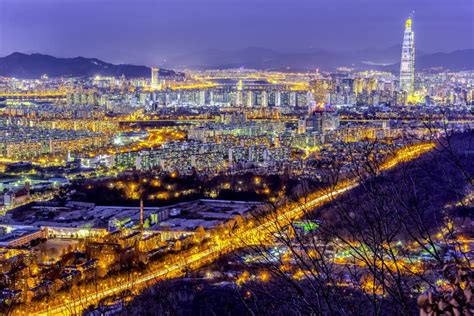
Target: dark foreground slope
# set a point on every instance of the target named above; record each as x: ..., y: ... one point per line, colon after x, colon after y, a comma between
x: 428, y: 184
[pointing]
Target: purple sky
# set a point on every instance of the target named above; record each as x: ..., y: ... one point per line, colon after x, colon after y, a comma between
x: 147, y: 31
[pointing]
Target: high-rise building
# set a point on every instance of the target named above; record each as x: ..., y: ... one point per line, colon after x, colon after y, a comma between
x: 155, y: 77
x: 320, y: 120
x: 407, y: 65
x: 358, y: 86
x: 250, y: 98
x: 372, y: 85
x: 277, y: 98
x: 321, y: 89
x: 292, y: 99
x: 240, y: 87
x: 264, y: 99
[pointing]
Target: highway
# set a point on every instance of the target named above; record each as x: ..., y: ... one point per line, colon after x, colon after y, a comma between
x: 281, y: 218
x: 203, y: 257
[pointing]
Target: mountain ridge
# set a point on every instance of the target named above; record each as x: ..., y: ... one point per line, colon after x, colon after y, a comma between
x: 32, y: 66
x: 263, y: 58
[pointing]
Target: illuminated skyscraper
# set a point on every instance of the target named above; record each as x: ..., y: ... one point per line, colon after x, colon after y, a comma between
x: 250, y: 98
x: 240, y: 87
x: 321, y: 89
x: 155, y: 77
x: 264, y: 99
x: 277, y: 98
x: 407, y: 65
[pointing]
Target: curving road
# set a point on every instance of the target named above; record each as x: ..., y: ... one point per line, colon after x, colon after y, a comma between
x: 281, y: 218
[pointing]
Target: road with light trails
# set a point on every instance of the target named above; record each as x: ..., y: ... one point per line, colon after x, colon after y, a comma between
x: 282, y: 218
x: 68, y: 308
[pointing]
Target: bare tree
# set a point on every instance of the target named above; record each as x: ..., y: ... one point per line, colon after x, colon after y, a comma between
x: 384, y: 242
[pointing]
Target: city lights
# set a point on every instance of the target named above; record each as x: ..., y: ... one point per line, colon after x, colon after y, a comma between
x: 290, y: 179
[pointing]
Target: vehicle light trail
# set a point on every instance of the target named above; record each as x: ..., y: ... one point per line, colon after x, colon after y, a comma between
x: 280, y: 218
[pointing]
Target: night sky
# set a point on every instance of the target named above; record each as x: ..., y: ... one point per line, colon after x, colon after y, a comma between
x: 146, y: 32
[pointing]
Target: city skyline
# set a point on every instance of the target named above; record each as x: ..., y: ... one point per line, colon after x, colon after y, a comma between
x: 289, y: 157
x: 151, y: 33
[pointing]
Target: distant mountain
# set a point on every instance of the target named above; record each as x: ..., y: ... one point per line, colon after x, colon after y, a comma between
x: 455, y: 61
x: 32, y: 66
x: 255, y: 57
x: 262, y: 58
x: 35, y: 65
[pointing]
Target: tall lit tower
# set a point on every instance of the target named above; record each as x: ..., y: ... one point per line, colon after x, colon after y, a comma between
x: 155, y: 77
x: 407, y: 64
